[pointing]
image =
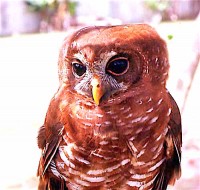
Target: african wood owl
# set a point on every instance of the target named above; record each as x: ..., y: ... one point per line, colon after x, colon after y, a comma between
x: 112, y: 124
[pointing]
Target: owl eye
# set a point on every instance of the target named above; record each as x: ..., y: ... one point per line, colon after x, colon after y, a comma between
x: 78, y: 69
x: 117, y: 66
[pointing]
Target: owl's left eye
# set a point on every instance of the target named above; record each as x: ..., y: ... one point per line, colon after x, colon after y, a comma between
x: 78, y: 69
x: 118, y: 66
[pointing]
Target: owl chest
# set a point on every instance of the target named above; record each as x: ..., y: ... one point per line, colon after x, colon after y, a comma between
x: 101, y: 165
x: 112, y: 163
x: 112, y: 150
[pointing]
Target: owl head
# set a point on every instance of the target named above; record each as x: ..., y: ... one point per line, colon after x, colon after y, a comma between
x: 108, y: 63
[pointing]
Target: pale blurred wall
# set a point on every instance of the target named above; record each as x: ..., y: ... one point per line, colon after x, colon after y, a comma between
x: 125, y: 10
x: 15, y: 18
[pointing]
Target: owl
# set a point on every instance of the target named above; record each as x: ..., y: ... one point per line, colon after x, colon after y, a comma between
x: 112, y: 124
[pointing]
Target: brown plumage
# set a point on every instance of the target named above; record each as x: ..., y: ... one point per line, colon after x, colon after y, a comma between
x: 112, y: 123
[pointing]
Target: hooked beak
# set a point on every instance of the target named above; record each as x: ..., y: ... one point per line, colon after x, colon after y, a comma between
x: 97, y: 90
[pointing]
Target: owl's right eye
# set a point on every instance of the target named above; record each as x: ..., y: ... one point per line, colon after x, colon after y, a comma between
x: 78, y: 69
x: 118, y: 66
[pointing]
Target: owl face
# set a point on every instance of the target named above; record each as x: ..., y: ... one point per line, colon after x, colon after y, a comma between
x: 102, y: 63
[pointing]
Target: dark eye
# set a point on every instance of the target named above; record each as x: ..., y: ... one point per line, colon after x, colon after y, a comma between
x: 78, y: 69
x: 117, y: 66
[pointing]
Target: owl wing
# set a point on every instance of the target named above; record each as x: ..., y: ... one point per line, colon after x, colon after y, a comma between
x: 49, y: 147
x: 171, y: 169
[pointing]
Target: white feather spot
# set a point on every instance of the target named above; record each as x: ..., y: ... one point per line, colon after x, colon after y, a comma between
x: 61, y: 165
x: 114, y: 138
x: 65, y: 159
x: 140, y: 176
x: 145, y: 145
x: 156, y: 155
x: 103, y: 143
x: 138, y: 163
x: 132, y: 146
x: 140, y: 153
x: 159, y: 137
x: 88, y: 118
x: 156, y: 165
x: 139, y: 130
x: 134, y: 183
x: 106, y: 170
x: 81, y: 182
x: 166, y: 73
x: 109, y: 112
x: 169, y: 111
x: 107, y: 123
x: 149, y: 110
x: 136, y: 120
x: 144, y: 118
x: 99, y: 115
x: 132, y: 138
x: 124, y: 162
x: 153, y: 120
x: 112, y: 168
x: 159, y: 102
x: 115, y: 116
x: 74, y: 172
x: 154, y: 148
x: 149, y: 183
x: 78, y: 116
x: 63, y: 105
x: 54, y: 170
x: 129, y: 116
x: 121, y: 109
x: 157, y: 152
x: 82, y: 160
x: 95, y: 172
x: 68, y: 149
x: 127, y: 110
x: 121, y: 124
x: 114, y: 146
x: 149, y: 100
x: 94, y: 179
x: 88, y: 103
x: 87, y: 124
x: 98, y: 124
x: 98, y: 155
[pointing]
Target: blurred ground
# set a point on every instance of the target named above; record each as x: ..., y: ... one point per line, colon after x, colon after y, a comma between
x: 28, y: 80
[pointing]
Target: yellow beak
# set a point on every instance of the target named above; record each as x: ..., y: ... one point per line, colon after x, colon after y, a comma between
x: 97, y: 90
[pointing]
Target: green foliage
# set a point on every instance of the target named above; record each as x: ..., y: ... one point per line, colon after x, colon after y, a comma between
x: 170, y: 37
x: 157, y: 5
x: 39, y: 5
x: 44, y: 5
x: 72, y: 7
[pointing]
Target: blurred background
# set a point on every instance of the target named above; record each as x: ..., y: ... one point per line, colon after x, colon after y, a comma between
x: 31, y: 32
